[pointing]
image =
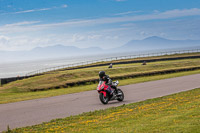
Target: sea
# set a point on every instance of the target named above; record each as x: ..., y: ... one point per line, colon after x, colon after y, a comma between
x: 22, y: 68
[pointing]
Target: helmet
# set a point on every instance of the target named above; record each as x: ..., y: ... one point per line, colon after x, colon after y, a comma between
x: 101, y: 74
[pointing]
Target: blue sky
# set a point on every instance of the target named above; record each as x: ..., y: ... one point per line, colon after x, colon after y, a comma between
x: 26, y: 24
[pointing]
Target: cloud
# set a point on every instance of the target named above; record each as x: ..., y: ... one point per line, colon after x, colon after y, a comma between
x: 126, y: 13
x: 22, y: 23
x: 33, y: 10
x: 26, y: 42
x: 25, y: 26
x: 85, y: 37
x: 36, y: 10
x: 155, y: 16
x: 120, y: 0
x: 23, y: 42
x: 64, y: 6
x: 35, y: 26
x: 3, y: 39
x: 24, y: 35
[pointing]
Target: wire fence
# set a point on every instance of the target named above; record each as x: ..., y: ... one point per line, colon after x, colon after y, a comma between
x: 37, y: 72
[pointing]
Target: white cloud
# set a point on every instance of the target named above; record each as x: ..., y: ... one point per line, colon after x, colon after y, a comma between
x: 37, y: 10
x: 92, y: 37
x: 25, y: 42
x: 77, y: 38
x: 112, y: 37
x: 85, y: 37
x: 18, y: 27
x: 160, y: 15
x: 126, y: 13
x: 156, y: 11
x: 22, y: 23
x: 11, y: 38
x: 3, y: 39
x: 120, y: 0
x: 64, y: 6
x: 33, y: 10
x: 25, y: 26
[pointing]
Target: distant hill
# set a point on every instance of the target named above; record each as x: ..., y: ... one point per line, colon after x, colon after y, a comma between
x: 61, y: 50
x: 133, y: 46
x: 56, y: 51
x: 154, y: 42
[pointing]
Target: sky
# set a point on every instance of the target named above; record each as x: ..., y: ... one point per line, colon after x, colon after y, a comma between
x: 26, y: 24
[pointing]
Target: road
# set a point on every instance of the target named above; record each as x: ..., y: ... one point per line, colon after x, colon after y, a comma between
x: 31, y: 112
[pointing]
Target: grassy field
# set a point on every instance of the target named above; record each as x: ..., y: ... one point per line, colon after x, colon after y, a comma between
x: 9, y: 95
x: 175, y: 113
x: 21, y: 90
x: 144, y: 58
x: 61, y: 78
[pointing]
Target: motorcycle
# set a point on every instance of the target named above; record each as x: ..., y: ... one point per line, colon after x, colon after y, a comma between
x: 107, y: 93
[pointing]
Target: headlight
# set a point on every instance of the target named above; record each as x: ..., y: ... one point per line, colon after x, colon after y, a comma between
x: 102, y: 87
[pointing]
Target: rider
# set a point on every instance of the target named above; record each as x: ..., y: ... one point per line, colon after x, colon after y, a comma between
x: 104, y: 77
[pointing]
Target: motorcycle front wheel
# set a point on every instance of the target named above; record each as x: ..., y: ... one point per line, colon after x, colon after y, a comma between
x: 120, y: 95
x: 103, y: 99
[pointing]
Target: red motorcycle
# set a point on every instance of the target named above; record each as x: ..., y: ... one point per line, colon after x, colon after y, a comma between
x: 107, y: 93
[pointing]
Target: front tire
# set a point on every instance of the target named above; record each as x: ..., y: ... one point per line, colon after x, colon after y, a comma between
x: 121, y: 95
x: 103, y: 99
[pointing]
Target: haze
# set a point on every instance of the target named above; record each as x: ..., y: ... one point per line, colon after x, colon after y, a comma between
x: 106, y: 24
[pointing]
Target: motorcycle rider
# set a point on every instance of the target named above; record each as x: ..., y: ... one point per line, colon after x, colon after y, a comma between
x: 104, y: 77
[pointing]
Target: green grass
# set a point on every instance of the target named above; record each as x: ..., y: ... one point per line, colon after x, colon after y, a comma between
x: 170, y: 114
x: 60, y: 78
x: 9, y: 95
x: 22, y: 89
x: 144, y: 58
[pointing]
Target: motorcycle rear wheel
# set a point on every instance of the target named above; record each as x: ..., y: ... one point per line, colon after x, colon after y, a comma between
x: 103, y: 99
x: 121, y: 96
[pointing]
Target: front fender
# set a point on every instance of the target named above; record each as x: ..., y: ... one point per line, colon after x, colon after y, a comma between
x: 104, y: 93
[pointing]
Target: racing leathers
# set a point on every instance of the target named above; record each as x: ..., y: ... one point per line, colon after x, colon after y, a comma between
x: 109, y: 83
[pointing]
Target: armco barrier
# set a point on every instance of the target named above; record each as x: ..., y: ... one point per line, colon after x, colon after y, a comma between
x: 111, y: 59
x: 11, y: 79
x: 133, y: 61
x: 82, y: 64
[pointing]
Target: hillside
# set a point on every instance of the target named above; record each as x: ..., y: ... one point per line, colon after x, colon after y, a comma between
x: 56, y: 51
x: 133, y: 46
x: 154, y: 43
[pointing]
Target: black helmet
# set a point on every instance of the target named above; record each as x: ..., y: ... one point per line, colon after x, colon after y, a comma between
x: 101, y: 74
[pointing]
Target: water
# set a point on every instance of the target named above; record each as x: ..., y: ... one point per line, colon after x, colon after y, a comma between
x: 15, y: 69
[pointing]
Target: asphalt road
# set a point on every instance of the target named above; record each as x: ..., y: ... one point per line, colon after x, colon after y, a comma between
x: 33, y: 112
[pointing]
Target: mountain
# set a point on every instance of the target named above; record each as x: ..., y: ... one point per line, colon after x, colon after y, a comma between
x: 155, y: 42
x: 133, y: 46
x: 56, y: 51
x: 63, y: 51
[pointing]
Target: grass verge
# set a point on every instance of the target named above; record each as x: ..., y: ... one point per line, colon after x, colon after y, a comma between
x: 57, y: 79
x: 9, y: 95
x: 174, y: 113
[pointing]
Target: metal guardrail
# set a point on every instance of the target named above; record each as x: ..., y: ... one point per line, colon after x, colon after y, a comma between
x: 111, y: 59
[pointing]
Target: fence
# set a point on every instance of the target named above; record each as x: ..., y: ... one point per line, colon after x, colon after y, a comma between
x: 111, y: 59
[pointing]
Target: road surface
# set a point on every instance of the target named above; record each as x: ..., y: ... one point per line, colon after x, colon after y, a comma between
x: 31, y: 112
